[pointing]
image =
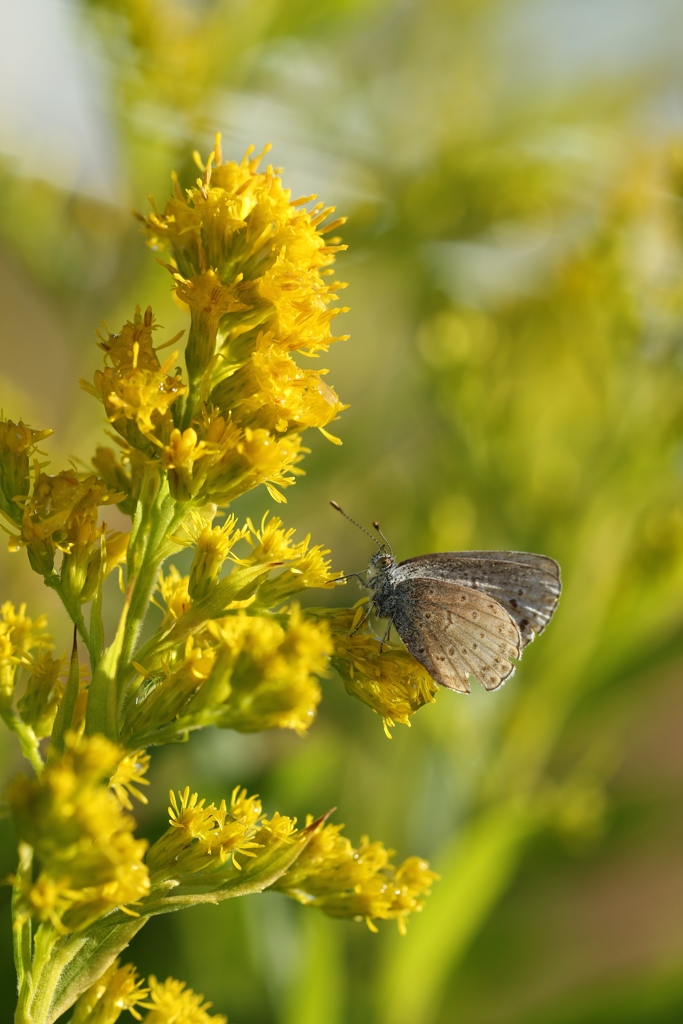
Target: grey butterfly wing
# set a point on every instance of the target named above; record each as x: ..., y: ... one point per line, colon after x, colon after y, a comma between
x: 528, y: 586
x: 456, y: 632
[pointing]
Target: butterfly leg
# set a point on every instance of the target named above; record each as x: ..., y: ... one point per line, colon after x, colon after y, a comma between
x: 362, y: 621
x: 385, y: 638
x: 349, y: 576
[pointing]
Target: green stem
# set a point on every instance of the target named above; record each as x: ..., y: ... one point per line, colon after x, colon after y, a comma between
x: 191, y: 401
x: 152, y: 546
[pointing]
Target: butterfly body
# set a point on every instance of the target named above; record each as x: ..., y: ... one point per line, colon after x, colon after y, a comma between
x: 466, y: 613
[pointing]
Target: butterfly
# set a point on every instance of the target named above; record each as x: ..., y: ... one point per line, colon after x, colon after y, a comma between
x: 463, y: 613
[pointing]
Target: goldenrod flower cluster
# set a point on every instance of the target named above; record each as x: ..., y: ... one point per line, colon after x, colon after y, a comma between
x: 234, y: 847
x: 233, y: 649
x: 90, y: 861
x: 171, y: 1001
x: 120, y: 989
x: 18, y: 442
x: 360, y: 883
x: 19, y: 636
x: 389, y: 681
x: 252, y: 267
x: 241, y: 671
x: 61, y: 515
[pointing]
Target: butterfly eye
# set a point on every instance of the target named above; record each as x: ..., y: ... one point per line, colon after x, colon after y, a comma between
x: 383, y: 561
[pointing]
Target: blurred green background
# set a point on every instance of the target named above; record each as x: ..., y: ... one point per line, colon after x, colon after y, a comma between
x: 513, y: 175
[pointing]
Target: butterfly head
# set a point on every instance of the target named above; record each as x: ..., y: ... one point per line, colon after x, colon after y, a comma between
x: 382, y: 561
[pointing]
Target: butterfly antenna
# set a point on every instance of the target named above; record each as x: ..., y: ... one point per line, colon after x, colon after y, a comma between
x: 386, y: 542
x: 347, y: 516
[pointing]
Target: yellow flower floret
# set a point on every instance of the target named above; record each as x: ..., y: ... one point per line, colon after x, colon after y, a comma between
x: 216, y: 460
x: 307, y: 566
x: 27, y: 634
x: 136, y: 389
x: 118, y: 989
x: 129, y: 776
x: 200, y: 833
x: 213, y: 546
x: 175, y: 594
x: 171, y: 1002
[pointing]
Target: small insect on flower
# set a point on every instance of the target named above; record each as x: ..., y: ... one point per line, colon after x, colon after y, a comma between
x: 462, y: 613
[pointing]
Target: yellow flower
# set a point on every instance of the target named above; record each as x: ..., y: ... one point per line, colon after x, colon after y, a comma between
x: 215, y: 460
x: 359, y: 883
x: 173, y: 1003
x: 27, y: 634
x: 136, y: 390
x: 210, y: 301
x: 90, y: 861
x: 61, y: 515
x: 47, y: 899
x: 306, y: 566
x: 174, y: 590
x: 129, y: 775
x: 213, y: 545
x: 10, y: 659
x: 18, y: 636
x: 178, y: 457
x: 118, y: 989
x: 271, y: 391
x: 273, y: 682
x: 202, y: 835
x: 17, y: 443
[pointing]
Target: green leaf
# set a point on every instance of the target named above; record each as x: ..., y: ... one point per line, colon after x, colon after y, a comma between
x: 67, y: 705
x: 68, y: 965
